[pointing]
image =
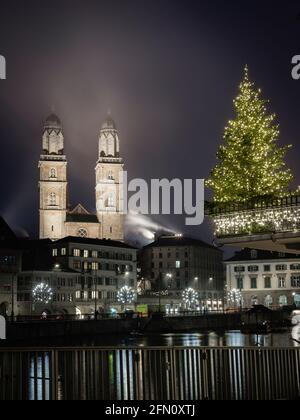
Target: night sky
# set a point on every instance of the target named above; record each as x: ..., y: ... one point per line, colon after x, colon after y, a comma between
x: 167, y: 69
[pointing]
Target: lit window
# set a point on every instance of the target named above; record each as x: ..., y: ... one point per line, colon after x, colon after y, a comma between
x: 268, y: 301
x: 54, y: 252
x: 95, y: 266
x: 86, y: 253
x: 178, y: 264
x: 76, y: 252
x: 95, y: 254
x: 281, y: 282
x: 283, y: 301
x: 63, y: 251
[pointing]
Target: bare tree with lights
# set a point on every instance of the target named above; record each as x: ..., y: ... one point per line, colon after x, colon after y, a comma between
x: 250, y: 162
x: 126, y: 296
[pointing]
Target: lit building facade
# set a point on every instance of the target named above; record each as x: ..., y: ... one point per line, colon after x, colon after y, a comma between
x: 84, y: 276
x: 57, y: 220
x: 264, y: 278
x: 175, y: 263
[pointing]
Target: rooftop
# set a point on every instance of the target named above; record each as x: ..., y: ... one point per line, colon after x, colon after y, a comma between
x: 260, y: 255
x: 89, y: 241
x: 179, y: 241
x: 5, y: 231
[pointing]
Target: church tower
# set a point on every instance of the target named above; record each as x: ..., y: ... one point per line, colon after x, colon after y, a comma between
x: 109, y: 182
x: 53, y: 181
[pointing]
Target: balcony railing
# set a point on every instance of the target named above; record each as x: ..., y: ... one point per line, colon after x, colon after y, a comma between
x: 163, y: 373
x: 259, y: 216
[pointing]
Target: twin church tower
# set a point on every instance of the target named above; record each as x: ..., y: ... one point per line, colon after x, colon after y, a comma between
x: 57, y: 219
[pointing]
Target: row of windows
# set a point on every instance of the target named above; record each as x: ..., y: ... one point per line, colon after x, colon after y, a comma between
x: 177, y: 274
x: 80, y: 295
x: 69, y: 297
x: 7, y: 260
x: 268, y: 284
x: 84, y: 253
x: 26, y: 282
x: 170, y: 255
x: 178, y: 265
x: 95, y: 266
x: 254, y: 254
x: 266, y: 268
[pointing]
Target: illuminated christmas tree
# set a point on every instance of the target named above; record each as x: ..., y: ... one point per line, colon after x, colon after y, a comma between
x: 250, y: 163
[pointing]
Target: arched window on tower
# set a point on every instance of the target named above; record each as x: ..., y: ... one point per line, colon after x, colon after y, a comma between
x: 53, y: 173
x: 52, y: 199
x: 111, y: 200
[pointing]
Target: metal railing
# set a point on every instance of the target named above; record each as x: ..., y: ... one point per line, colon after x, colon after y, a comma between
x: 170, y: 373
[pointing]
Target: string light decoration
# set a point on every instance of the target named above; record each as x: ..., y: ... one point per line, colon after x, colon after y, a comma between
x: 42, y: 293
x: 126, y: 295
x: 234, y: 298
x: 190, y: 297
x: 258, y: 221
x: 250, y: 162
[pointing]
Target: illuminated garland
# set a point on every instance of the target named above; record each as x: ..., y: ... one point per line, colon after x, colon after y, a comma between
x: 258, y: 221
x: 42, y: 293
x: 126, y: 295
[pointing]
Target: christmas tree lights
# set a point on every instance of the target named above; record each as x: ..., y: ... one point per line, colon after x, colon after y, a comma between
x: 250, y: 162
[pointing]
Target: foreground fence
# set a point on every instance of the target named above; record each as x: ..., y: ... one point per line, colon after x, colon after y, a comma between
x: 150, y: 374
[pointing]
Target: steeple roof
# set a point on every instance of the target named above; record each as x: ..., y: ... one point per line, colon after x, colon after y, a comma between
x: 53, y: 122
x: 109, y: 123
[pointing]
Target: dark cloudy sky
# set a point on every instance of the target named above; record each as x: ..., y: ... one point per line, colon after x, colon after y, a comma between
x: 168, y: 69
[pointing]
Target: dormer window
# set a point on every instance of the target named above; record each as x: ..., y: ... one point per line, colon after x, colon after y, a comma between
x: 254, y: 254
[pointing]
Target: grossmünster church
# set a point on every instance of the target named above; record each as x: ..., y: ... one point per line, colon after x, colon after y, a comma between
x: 57, y: 220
